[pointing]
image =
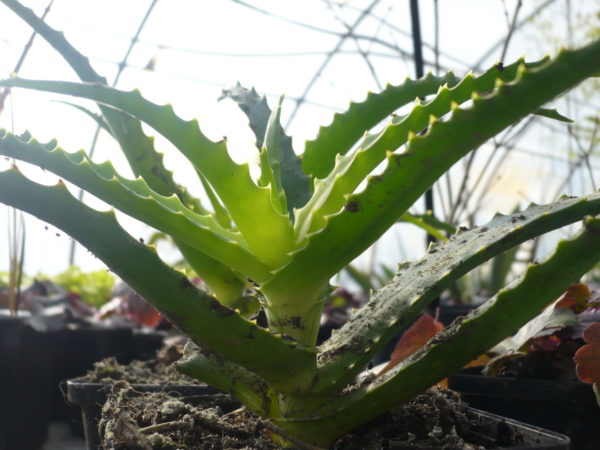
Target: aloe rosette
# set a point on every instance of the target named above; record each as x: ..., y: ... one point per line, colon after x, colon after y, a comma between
x: 303, y: 220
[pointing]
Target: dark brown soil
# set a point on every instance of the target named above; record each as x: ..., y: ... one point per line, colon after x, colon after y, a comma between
x: 165, y: 421
x: 134, y: 420
x: 434, y: 420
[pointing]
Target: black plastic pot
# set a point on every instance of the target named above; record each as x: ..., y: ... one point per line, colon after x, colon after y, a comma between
x: 559, y: 405
x: 91, y: 396
x: 25, y: 360
x: 78, y: 349
x: 33, y: 363
x: 493, y: 428
x: 489, y: 429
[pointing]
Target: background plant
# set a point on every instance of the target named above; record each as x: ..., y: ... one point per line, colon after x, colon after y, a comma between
x: 16, y: 256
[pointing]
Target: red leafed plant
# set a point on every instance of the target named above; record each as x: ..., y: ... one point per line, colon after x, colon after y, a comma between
x: 587, y: 358
x: 547, y: 346
x: 413, y: 339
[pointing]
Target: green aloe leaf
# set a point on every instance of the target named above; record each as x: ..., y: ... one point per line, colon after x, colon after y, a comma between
x: 271, y: 156
x: 268, y: 233
x: 135, y: 198
x: 138, y: 148
x: 221, y: 214
x: 295, y: 183
x: 232, y: 378
x: 552, y: 114
x: 432, y: 226
x: 346, y: 128
x: 418, y: 283
x: 368, y: 214
x: 459, y: 343
x: 351, y: 169
x: 254, y: 107
x: 226, y: 284
x: 202, y: 318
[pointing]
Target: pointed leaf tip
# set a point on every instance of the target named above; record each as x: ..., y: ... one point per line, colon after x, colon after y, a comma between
x: 552, y: 114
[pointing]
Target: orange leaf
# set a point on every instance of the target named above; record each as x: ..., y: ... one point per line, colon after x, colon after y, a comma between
x: 413, y: 339
x: 575, y: 298
x: 587, y: 358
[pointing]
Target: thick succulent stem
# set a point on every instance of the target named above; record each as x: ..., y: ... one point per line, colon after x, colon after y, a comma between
x: 295, y: 314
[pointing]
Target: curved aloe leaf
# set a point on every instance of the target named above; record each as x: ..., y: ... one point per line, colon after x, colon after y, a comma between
x: 220, y: 212
x: 229, y: 377
x: 346, y: 128
x: 367, y: 215
x: 460, y: 343
x: 418, y: 283
x: 135, y: 198
x: 268, y: 233
x: 254, y: 107
x: 226, y: 284
x: 294, y: 181
x: 138, y: 148
x: 350, y: 170
x: 206, y: 321
x: 271, y: 157
x: 426, y: 222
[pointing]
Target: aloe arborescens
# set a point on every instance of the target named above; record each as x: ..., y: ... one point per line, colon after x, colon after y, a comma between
x: 302, y: 221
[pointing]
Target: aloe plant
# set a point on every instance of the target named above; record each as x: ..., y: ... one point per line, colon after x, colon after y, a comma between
x: 300, y: 222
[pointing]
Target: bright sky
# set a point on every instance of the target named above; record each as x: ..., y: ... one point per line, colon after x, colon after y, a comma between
x: 199, y: 48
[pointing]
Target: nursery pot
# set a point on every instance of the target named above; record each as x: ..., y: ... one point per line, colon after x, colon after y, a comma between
x: 494, y: 428
x: 561, y: 405
x: 25, y: 363
x: 78, y: 349
x: 91, y: 396
x: 490, y: 429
